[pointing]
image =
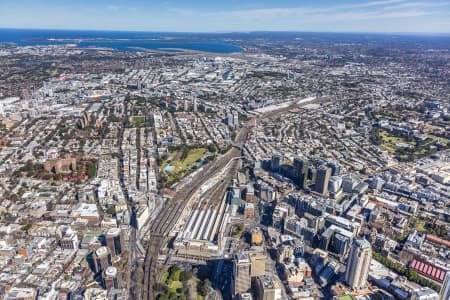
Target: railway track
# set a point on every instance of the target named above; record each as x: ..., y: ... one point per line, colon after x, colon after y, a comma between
x: 216, y: 194
x: 167, y: 219
x: 150, y: 266
x: 170, y: 214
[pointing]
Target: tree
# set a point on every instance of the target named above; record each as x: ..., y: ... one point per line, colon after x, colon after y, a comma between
x: 91, y: 170
x: 185, y: 276
x: 375, y: 136
x: 26, y: 227
x: 175, y: 272
x: 173, y: 296
x: 402, y: 270
x: 211, y: 148
x: 163, y: 297
x: 111, y: 210
x: 204, y: 287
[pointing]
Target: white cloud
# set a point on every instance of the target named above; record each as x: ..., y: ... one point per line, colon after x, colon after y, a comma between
x: 377, y: 3
x: 114, y: 7
x: 356, y: 16
x: 382, y: 9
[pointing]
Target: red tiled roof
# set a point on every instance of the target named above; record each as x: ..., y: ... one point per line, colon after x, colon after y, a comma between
x: 435, y: 239
x: 168, y: 192
x: 428, y: 270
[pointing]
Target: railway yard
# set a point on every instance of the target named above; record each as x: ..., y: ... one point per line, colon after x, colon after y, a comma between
x: 171, y: 213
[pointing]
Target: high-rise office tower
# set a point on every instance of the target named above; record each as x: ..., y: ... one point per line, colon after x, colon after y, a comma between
x: 241, y: 274
x: 267, y: 288
x: 235, y: 119
x: 114, y: 240
x: 194, y: 105
x: 276, y: 162
x: 340, y: 244
x: 300, y: 171
x: 230, y: 119
x: 102, y: 259
x: 334, y: 185
x: 111, y: 278
x: 335, y: 168
x: 444, y: 294
x: 257, y: 263
x: 323, y: 177
x: 358, y: 264
x: 312, y: 174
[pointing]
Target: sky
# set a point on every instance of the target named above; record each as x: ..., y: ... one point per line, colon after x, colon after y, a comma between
x: 415, y: 16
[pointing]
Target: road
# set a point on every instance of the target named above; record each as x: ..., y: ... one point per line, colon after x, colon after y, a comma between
x: 132, y: 242
x: 168, y: 217
x: 170, y: 214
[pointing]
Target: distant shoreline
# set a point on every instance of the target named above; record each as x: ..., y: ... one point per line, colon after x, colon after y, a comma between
x: 228, y: 32
x: 121, y: 41
x: 180, y: 51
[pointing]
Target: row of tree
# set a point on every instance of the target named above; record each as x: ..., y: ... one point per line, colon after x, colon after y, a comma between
x: 402, y: 270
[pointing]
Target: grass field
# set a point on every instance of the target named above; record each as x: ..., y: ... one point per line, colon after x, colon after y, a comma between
x: 390, y: 141
x: 420, y: 226
x: 137, y: 121
x: 181, y: 167
x: 386, y: 116
x: 193, y: 156
x: 387, y: 138
x: 438, y: 139
x: 341, y: 198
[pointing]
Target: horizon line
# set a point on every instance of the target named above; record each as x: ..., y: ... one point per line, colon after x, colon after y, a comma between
x: 234, y: 31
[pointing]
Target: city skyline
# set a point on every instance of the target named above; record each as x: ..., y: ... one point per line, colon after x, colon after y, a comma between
x: 381, y: 16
